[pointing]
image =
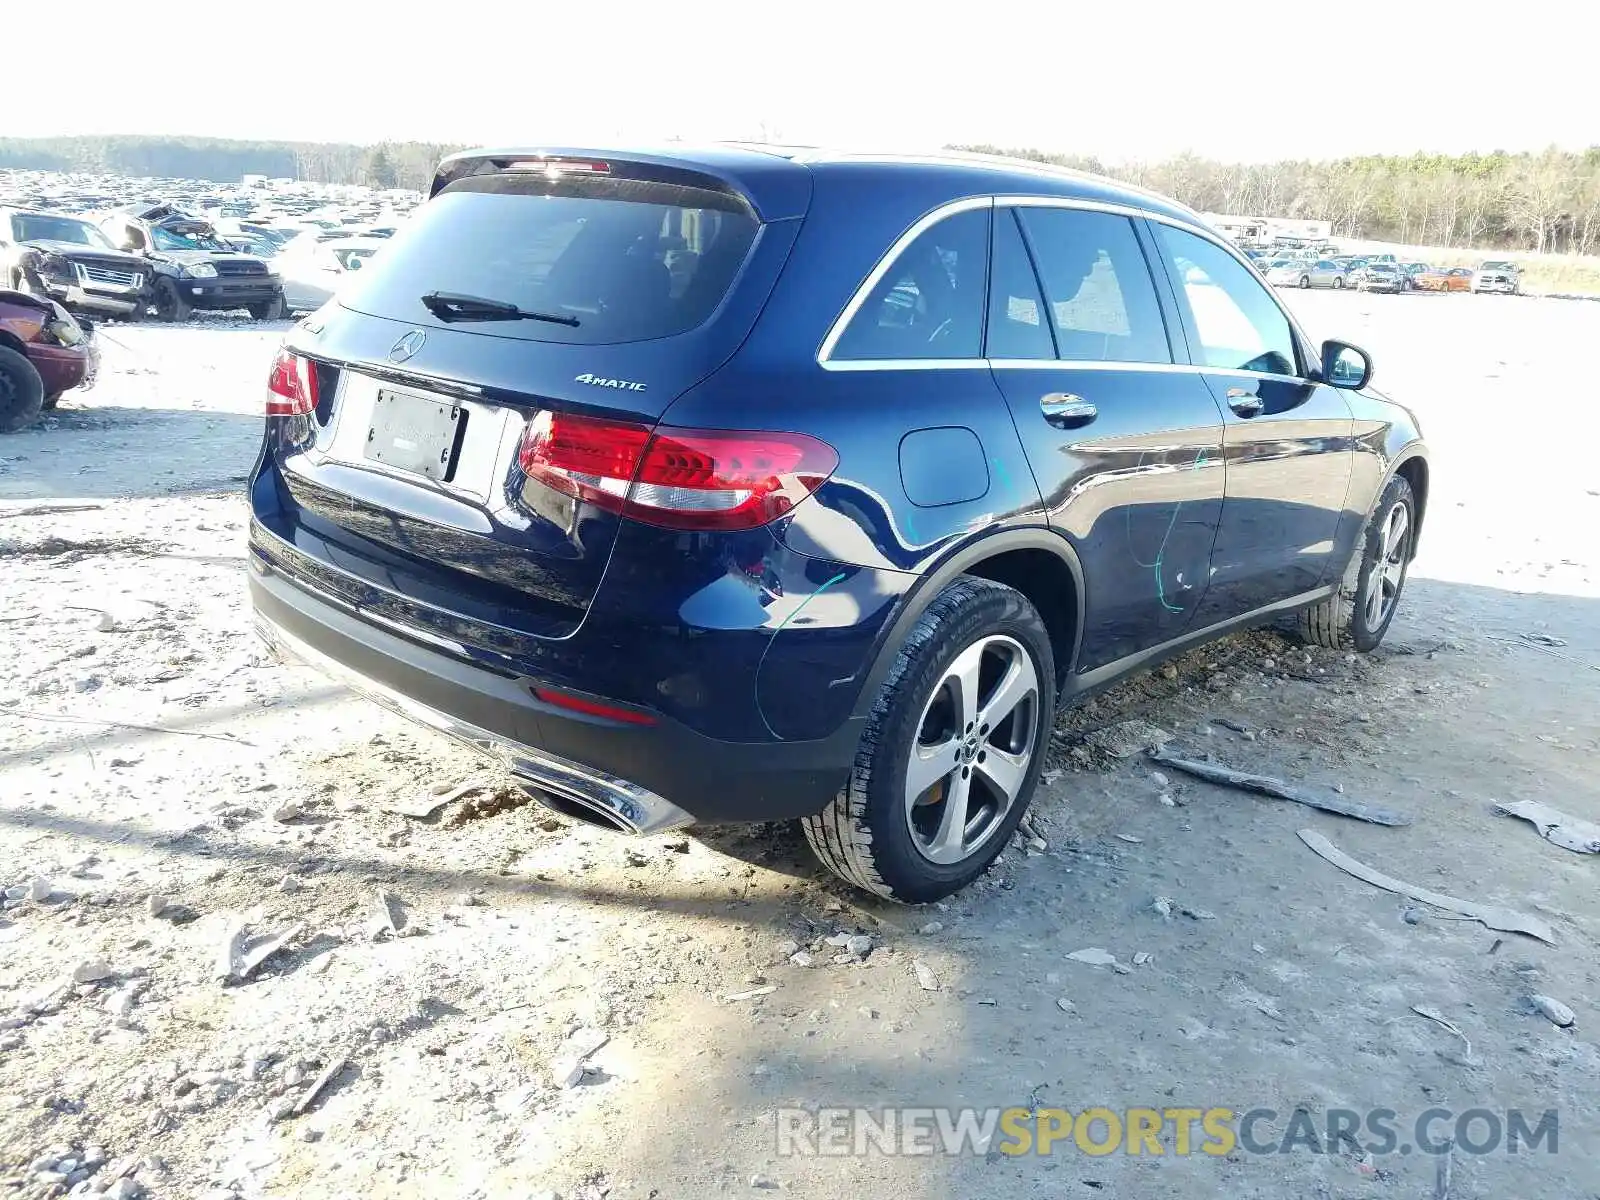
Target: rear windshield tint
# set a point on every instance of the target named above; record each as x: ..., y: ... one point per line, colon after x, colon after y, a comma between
x: 617, y: 260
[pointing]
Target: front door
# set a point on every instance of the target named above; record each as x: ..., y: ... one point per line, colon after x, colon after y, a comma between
x: 1287, y: 438
x: 1126, y: 446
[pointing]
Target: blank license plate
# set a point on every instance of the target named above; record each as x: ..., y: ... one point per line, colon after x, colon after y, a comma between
x: 412, y: 433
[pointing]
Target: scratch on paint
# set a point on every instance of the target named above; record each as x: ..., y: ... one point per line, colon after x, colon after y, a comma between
x: 799, y: 608
x: 773, y: 640
x: 1161, y: 551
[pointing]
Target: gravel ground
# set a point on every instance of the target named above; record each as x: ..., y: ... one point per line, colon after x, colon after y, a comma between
x: 497, y: 1002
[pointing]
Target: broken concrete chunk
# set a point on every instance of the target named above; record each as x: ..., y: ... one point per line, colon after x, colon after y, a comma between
x: 92, y: 971
x: 860, y: 945
x: 587, y: 1041
x: 389, y: 915
x: 1558, y: 1013
x: 926, y: 979
x: 156, y: 905
x: 40, y: 889
x: 752, y: 993
x: 1094, y: 957
x: 566, y: 1071
x: 1570, y: 833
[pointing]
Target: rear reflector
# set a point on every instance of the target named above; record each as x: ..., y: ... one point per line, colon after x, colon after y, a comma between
x: 710, y: 479
x: 593, y: 708
x: 292, y: 386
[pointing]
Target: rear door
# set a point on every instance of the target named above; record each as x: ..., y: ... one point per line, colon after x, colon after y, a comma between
x: 598, y: 295
x: 1287, y: 437
x: 1125, y: 443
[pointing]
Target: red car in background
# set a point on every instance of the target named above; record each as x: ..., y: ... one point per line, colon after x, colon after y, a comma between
x: 44, y: 351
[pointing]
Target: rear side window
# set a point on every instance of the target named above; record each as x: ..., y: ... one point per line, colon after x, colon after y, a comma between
x: 1017, y: 328
x: 929, y: 304
x: 613, y: 260
x: 1101, y: 297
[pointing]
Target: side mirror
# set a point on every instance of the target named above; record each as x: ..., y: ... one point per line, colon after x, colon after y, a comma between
x: 1345, y: 366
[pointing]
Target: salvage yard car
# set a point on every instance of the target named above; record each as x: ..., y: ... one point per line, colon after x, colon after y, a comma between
x: 1324, y: 272
x: 312, y: 269
x: 44, y: 352
x: 70, y: 261
x: 1504, y: 278
x: 1379, y: 277
x: 1444, y: 279
x: 729, y: 485
x: 191, y: 266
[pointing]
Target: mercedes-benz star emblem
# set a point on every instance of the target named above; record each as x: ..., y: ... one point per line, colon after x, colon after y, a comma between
x: 407, y: 346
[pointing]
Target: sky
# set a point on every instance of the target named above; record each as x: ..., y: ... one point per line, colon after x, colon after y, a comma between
x: 1242, y: 80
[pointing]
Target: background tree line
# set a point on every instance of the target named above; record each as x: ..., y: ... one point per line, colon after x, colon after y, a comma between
x: 1545, y: 201
x: 386, y: 165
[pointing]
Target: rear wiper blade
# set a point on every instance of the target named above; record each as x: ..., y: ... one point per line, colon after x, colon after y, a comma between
x: 456, y: 306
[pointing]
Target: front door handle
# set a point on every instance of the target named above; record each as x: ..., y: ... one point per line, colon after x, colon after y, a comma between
x: 1246, y: 404
x: 1066, y: 411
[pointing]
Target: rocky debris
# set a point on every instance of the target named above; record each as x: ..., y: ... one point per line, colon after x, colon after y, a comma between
x: 288, y: 811
x: 802, y: 958
x: 1554, y: 1010
x: 1094, y: 957
x: 1162, y: 906
x: 752, y: 993
x: 157, y: 905
x: 388, y: 916
x: 932, y: 927
x: 92, y: 970
x: 926, y: 979
x: 40, y: 889
x: 1126, y: 739
x: 241, y: 954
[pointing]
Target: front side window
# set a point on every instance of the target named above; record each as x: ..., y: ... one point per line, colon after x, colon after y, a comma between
x: 1239, y: 324
x: 1100, y: 296
x: 929, y: 304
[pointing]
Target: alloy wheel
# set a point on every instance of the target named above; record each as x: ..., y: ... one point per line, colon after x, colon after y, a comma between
x: 974, y: 743
x: 1389, y: 570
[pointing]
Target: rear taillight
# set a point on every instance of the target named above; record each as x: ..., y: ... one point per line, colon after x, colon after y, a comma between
x: 292, y: 386
x: 713, y: 479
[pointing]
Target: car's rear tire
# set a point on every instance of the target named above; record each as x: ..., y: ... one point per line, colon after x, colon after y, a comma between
x: 972, y: 689
x: 170, y: 304
x: 1358, y: 615
x: 271, y: 310
x: 21, y: 391
x: 1305, y: 281
x: 1338, y: 283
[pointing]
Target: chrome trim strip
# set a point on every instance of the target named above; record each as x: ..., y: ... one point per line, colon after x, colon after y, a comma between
x: 903, y: 364
x: 635, y: 807
x: 1198, y: 228
x: 836, y: 330
x: 1051, y: 364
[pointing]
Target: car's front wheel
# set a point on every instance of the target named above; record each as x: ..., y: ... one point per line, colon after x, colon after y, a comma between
x: 170, y: 303
x: 21, y: 391
x: 270, y: 310
x: 1305, y: 281
x: 952, y: 750
x: 1358, y: 615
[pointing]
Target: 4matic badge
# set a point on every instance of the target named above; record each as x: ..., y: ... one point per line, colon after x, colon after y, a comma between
x: 625, y: 385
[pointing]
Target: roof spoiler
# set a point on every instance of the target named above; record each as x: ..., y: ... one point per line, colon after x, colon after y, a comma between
x: 741, y: 186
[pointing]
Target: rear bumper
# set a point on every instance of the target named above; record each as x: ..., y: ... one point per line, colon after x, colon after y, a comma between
x: 647, y: 778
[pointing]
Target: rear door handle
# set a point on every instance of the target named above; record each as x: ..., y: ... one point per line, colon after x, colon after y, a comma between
x: 1246, y: 404
x: 1066, y: 411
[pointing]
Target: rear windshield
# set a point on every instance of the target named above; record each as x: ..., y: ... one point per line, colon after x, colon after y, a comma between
x: 616, y: 260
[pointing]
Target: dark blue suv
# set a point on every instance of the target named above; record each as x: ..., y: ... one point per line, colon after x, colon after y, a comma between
x: 756, y: 484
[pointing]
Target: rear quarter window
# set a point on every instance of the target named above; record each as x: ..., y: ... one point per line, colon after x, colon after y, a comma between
x: 617, y: 260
